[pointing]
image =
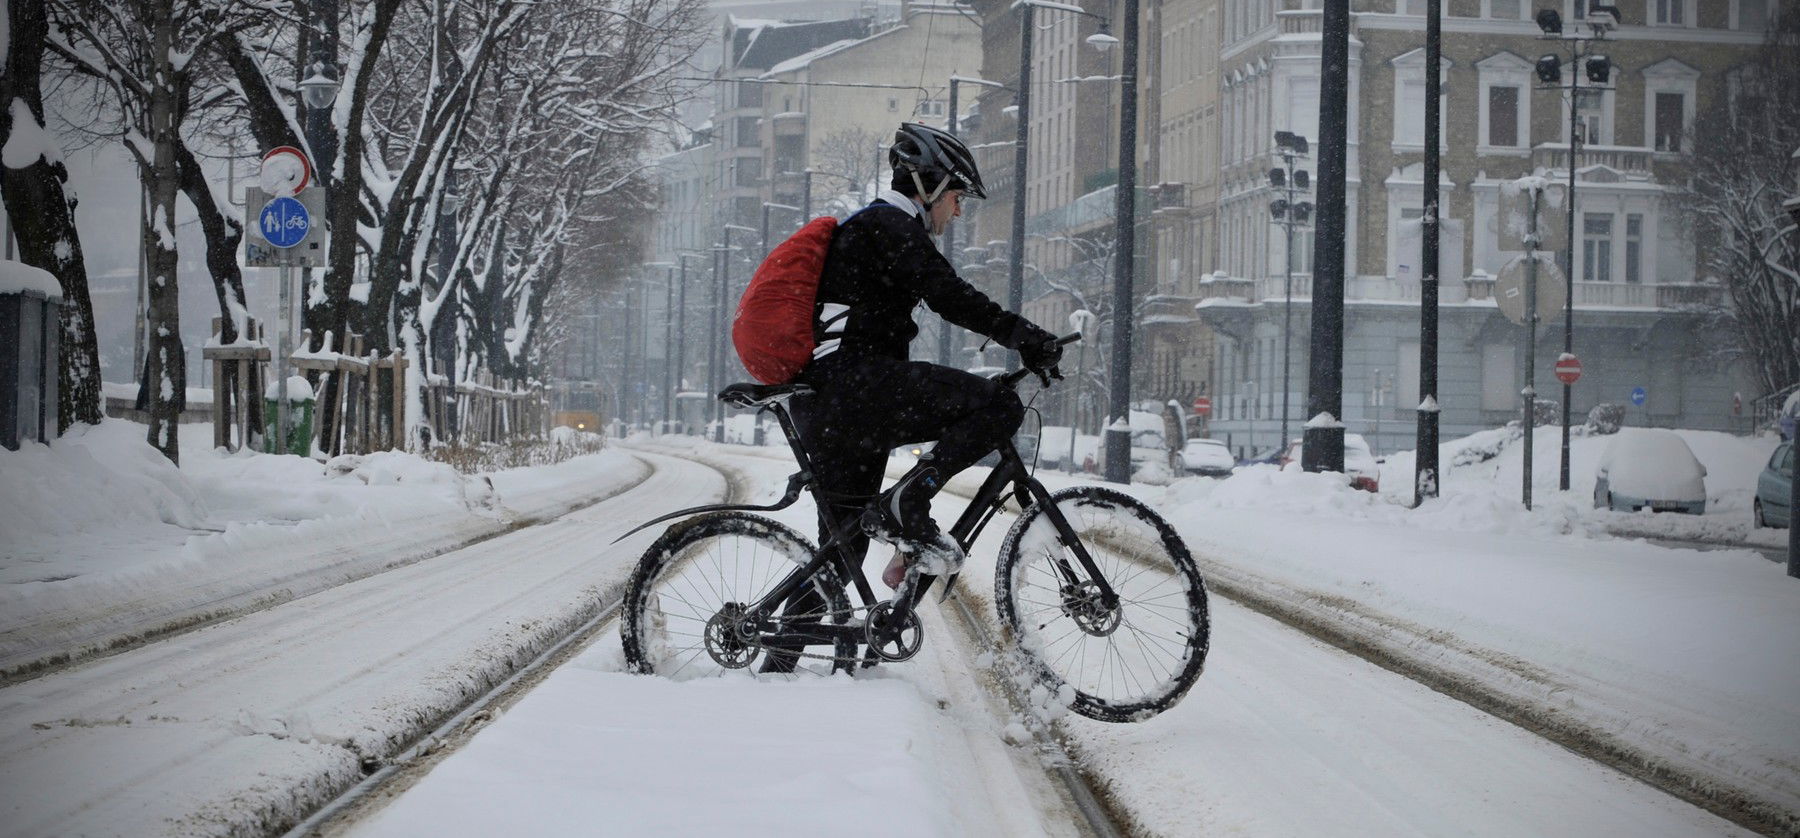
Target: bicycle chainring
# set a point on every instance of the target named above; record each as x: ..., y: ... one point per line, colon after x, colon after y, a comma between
x: 893, y: 641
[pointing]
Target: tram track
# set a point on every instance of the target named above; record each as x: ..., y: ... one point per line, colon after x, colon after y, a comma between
x: 238, y: 601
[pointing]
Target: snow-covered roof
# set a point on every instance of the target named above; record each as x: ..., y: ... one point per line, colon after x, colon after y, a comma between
x: 802, y: 60
x: 20, y: 278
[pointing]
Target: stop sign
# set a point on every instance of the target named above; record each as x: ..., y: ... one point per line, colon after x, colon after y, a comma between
x: 1568, y: 369
x: 1203, y: 406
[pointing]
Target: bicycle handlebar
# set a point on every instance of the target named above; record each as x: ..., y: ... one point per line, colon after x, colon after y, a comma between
x: 1012, y: 379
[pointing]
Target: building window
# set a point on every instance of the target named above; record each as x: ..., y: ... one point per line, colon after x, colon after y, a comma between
x: 749, y: 94
x: 1670, y: 12
x: 931, y: 107
x: 1504, y: 9
x: 1590, y: 117
x: 1669, y: 119
x: 1596, y: 247
x: 1499, y: 377
x: 1752, y: 15
x: 1409, y: 98
x: 1503, y: 116
x: 1412, y: 7
x: 1634, y: 248
x: 893, y: 104
x: 746, y: 131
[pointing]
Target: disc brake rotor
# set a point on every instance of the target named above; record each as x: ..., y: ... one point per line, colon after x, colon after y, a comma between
x: 1086, y: 605
x: 726, y: 642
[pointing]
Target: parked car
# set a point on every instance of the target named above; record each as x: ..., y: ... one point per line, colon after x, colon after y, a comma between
x: 1359, y: 462
x: 1270, y: 457
x: 1650, y: 468
x: 1206, y: 457
x: 1773, y: 486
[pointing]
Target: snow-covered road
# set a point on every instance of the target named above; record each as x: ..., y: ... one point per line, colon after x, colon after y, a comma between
x: 1282, y: 736
x: 213, y: 731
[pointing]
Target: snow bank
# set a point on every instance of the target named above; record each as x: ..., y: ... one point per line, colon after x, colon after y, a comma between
x: 103, y: 540
x: 20, y: 278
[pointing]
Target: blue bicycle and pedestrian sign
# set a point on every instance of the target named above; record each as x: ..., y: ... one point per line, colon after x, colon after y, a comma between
x: 284, y: 222
x: 1639, y: 395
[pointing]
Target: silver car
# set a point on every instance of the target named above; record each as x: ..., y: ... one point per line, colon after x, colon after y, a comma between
x: 1770, y: 509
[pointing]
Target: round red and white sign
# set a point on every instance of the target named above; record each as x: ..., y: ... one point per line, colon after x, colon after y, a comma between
x: 1203, y: 405
x: 1568, y: 369
x: 285, y: 171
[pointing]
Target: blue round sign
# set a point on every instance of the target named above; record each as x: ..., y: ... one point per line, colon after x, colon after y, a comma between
x: 1639, y: 395
x: 284, y: 222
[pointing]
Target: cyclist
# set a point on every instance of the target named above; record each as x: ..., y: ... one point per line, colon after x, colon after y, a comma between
x: 868, y: 397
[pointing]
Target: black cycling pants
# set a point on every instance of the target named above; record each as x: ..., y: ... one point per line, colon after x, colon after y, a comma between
x: 865, y: 406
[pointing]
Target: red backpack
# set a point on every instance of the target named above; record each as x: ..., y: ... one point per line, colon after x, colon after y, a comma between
x: 773, y: 331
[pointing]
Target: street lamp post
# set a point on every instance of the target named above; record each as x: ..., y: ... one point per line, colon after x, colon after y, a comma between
x: 1598, y: 68
x: 1425, y: 465
x: 952, y: 124
x: 722, y: 323
x: 1118, y: 435
x: 1323, y: 449
x: 681, y: 330
x: 1288, y: 212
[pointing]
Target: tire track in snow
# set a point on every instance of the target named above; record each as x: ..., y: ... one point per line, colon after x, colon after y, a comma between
x: 248, y: 724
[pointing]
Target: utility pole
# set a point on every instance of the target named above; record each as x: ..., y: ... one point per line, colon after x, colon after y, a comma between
x: 1015, y: 266
x: 1118, y: 435
x: 1323, y: 446
x: 1425, y: 466
x: 1287, y: 212
x: 1598, y: 69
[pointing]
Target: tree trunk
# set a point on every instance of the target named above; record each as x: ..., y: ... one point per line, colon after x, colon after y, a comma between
x: 167, y: 375
x: 43, y: 220
x: 223, y: 235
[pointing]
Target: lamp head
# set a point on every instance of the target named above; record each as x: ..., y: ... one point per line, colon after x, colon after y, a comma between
x: 1302, y: 180
x: 1278, y: 178
x: 1601, y: 17
x: 1278, y: 209
x: 320, y: 88
x: 1550, y: 20
x: 1102, y: 41
x: 1549, y: 69
x: 1599, y: 69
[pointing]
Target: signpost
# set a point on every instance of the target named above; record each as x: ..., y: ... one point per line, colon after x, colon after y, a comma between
x: 1568, y: 369
x: 280, y: 219
x: 1203, y: 406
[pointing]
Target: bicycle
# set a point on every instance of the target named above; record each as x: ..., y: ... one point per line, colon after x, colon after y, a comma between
x: 1094, y: 590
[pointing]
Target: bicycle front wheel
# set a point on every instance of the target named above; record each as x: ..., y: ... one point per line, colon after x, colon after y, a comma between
x: 1126, y: 661
x: 687, y: 605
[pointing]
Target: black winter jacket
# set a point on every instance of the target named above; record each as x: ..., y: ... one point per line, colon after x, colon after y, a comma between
x: 881, y: 264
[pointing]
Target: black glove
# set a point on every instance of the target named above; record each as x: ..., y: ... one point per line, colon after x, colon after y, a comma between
x: 1039, y: 352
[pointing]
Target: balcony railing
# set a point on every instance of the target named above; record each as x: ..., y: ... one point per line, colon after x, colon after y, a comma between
x: 1274, y: 288
x: 1623, y: 295
x: 1627, y: 159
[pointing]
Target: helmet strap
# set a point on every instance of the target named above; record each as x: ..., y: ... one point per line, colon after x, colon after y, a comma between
x: 935, y: 193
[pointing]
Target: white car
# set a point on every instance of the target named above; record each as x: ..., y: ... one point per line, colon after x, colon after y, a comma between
x: 1650, y: 468
x: 1208, y: 457
x: 1359, y: 462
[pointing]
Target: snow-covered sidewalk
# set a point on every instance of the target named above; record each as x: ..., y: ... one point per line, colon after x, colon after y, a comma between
x: 103, y: 542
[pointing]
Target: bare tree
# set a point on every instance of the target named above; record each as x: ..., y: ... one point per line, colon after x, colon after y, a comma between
x: 1742, y: 174
x: 42, y: 213
x: 852, y: 169
x: 140, y: 54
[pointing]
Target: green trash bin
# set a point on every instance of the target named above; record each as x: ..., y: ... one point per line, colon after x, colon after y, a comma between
x: 300, y: 417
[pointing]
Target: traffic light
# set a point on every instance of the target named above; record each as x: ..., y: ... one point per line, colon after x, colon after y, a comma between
x: 1550, y: 20
x: 1278, y: 178
x: 1302, y: 212
x: 1278, y: 209
x: 1290, y: 141
x: 1302, y: 180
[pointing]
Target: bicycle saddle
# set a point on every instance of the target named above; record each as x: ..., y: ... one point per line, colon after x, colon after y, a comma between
x: 747, y: 395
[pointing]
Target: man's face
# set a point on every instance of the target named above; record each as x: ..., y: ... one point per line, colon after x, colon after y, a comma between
x: 947, y: 206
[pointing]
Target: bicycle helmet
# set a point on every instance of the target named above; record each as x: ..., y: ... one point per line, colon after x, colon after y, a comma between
x: 926, y: 154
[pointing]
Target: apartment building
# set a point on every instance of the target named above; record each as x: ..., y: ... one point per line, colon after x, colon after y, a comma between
x: 1637, y: 294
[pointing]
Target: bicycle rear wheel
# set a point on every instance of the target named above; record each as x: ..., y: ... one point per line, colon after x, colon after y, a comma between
x: 684, y: 605
x: 1126, y: 662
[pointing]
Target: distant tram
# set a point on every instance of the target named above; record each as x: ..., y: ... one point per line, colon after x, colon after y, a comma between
x: 581, y: 420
